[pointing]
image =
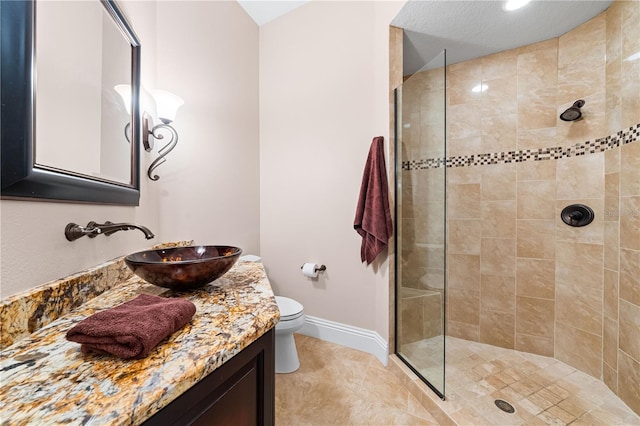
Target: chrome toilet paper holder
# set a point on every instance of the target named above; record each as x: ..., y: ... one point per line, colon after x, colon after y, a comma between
x: 318, y: 269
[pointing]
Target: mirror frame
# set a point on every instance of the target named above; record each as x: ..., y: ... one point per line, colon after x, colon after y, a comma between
x: 21, y: 177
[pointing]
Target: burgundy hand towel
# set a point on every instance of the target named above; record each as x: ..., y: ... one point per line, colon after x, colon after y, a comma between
x: 132, y: 329
x: 373, y: 215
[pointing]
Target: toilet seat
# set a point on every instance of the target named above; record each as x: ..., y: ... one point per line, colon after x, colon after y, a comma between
x: 289, y: 308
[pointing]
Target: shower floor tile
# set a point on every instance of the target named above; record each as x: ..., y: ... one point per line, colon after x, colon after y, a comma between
x: 542, y: 390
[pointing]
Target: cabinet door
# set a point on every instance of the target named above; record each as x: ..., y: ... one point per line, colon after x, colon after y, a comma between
x: 240, y: 392
x: 237, y: 406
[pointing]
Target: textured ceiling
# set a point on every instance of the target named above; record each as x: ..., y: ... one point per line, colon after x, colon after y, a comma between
x: 470, y: 29
x: 466, y: 28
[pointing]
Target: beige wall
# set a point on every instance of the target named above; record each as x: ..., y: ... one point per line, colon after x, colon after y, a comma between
x: 209, y: 186
x: 323, y: 97
x: 518, y: 277
x: 34, y: 249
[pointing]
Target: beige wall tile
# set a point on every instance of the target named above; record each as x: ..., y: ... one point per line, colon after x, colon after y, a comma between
x: 535, y: 278
x: 498, y: 256
x: 630, y: 222
x: 613, y: 96
x: 629, y: 381
x: 463, y: 306
x: 537, y: 108
x: 460, y: 175
x: 610, y: 294
x: 460, y: 89
x: 536, y: 170
x: 579, y: 349
x: 497, y: 293
x: 464, y: 120
x: 500, y: 65
x: 411, y: 321
x: 611, y: 245
x: 613, y: 32
x: 581, y: 49
x: 629, y: 273
x: 610, y: 343
x: 612, y: 160
x: 630, y: 169
x: 538, y: 138
x: 463, y: 271
x: 580, y: 177
x: 536, y: 239
x: 579, y: 264
x: 630, y: 87
x: 498, y: 329
x: 498, y: 219
x: 463, y: 201
x: 629, y: 324
x: 500, y: 97
x: 465, y: 70
x: 534, y: 316
x: 534, y: 344
x: 463, y: 331
x: 536, y: 199
x: 499, y: 132
x: 432, y: 109
x: 538, y: 68
x: 611, y: 196
x: 579, y: 306
x: 610, y: 377
x: 498, y: 182
x: 464, y: 236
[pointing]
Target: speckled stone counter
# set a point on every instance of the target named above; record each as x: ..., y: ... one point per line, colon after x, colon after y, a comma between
x: 45, y: 379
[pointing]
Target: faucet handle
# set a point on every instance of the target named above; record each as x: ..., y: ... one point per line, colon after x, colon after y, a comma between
x: 74, y: 231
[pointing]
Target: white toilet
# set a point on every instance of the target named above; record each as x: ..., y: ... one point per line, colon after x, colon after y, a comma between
x: 291, y: 319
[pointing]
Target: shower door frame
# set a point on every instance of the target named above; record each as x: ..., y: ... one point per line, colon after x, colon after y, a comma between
x: 398, y: 178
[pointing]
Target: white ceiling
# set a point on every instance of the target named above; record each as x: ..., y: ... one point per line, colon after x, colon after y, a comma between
x: 466, y: 28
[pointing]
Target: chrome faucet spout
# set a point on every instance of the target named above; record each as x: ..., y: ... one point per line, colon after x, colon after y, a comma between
x: 93, y: 229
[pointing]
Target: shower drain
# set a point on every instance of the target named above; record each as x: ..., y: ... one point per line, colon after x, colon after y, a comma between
x: 505, y: 406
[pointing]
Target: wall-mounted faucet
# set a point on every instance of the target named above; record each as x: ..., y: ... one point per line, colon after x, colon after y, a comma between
x: 73, y: 231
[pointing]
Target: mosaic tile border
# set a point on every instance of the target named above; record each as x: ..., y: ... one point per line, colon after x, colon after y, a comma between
x: 623, y: 137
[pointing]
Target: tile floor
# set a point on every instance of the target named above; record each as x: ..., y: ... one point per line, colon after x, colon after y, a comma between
x: 336, y: 385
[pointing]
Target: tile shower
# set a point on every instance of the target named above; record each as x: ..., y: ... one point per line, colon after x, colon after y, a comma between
x: 517, y: 277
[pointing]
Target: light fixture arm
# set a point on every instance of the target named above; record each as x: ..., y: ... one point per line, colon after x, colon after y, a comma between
x: 165, y: 150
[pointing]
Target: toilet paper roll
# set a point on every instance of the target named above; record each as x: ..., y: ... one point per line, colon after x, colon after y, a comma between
x: 310, y: 270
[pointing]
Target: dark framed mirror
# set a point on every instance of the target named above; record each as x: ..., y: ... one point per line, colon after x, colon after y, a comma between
x: 25, y: 175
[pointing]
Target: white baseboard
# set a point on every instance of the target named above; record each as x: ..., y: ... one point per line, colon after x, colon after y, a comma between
x: 346, y: 335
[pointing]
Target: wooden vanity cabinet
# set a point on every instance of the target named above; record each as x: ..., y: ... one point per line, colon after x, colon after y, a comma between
x: 240, y: 392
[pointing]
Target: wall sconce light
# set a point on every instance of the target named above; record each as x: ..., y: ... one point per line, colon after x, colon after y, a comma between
x: 161, y: 104
x: 167, y: 105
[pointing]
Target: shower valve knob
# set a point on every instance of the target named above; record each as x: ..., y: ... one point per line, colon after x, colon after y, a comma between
x: 577, y: 215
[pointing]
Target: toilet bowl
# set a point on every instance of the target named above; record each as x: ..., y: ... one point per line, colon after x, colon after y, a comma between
x: 291, y: 319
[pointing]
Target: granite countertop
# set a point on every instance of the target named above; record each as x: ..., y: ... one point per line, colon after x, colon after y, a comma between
x: 46, y: 379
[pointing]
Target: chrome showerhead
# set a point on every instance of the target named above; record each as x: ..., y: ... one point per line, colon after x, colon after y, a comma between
x: 573, y: 113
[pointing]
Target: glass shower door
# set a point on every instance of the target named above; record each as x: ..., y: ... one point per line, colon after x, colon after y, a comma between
x: 420, y: 222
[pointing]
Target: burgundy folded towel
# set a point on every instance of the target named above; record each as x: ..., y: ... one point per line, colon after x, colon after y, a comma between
x: 132, y: 329
x: 373, y: 215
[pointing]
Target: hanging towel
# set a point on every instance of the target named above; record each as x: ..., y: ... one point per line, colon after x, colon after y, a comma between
x: 373, y: 216
x: 132, y: 329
